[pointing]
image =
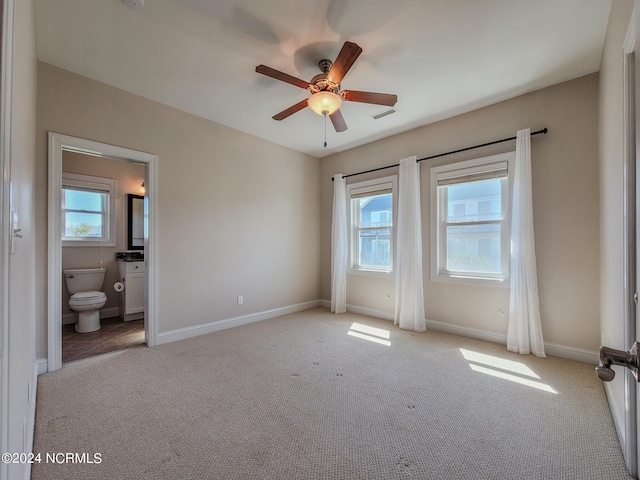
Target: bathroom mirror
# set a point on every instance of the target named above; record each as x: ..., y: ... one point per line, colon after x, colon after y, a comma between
x: 135, y: 222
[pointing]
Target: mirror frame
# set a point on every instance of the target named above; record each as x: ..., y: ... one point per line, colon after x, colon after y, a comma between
x: 130, y: 198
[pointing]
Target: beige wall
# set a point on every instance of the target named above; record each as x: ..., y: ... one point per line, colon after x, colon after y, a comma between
x: 565, y: 183
x: 22, y: 267
x: 611, y: 136
x: 129, y: 176
x: 237, y: 215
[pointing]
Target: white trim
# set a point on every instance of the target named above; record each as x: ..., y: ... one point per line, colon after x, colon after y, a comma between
x: 628, y: 428
x: 370, y: 312
x: 58, y: 143
x: 5, y: 239
x: 553, y: 349
x: 41, y: 365
x: 31, y: 415
x: 197, y: 330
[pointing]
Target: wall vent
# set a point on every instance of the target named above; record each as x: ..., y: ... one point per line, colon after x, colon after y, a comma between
x: 383, y: 113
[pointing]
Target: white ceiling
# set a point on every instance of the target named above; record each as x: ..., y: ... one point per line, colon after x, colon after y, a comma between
x: 441, y: 57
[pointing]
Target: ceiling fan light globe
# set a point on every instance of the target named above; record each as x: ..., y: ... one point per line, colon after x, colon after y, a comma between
x: 324, y: 102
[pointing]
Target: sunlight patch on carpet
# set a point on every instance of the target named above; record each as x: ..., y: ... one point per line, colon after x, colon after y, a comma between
x: 506, y: 369
x: 372, y: 334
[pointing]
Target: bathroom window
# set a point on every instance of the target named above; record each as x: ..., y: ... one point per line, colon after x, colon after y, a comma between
x: 88, y: 210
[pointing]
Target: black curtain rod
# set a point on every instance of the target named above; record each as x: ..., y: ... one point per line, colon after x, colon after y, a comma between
x: 543, y: 131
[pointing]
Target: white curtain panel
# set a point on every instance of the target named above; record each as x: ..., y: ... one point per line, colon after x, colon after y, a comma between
x: 409, y: 312
x: 339, y: 246
x: 524, y: 334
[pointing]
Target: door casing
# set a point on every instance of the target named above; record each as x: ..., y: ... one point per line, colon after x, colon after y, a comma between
x: 58, y: 143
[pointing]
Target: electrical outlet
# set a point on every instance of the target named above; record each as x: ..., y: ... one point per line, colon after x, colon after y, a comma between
x: 240, y: 300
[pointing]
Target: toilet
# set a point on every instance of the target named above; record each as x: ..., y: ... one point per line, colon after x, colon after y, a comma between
x: 84, y: 284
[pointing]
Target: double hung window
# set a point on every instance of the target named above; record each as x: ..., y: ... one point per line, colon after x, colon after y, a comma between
x: 470, y: 219
x: 88, y: 210
x: 371, y: 215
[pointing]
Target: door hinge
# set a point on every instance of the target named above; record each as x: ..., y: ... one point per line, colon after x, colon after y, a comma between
x: 635, y: 298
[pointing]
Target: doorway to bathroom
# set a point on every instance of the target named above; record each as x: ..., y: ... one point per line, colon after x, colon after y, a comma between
x: 102, y: 228
x: 99, y: 235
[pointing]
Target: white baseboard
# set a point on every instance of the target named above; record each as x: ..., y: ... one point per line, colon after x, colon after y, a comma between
x: 468, y: 332
x: 552, y: 349
x: 188, y: 332
x: 42, y: 366
x: 369, y: 312
x: 572, y: 353
x: 31, y: 418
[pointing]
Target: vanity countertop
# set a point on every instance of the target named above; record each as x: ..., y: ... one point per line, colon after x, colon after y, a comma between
x: 130, y: 256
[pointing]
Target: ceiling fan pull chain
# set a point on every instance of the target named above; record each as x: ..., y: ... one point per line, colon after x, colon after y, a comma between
x: 325, y: 131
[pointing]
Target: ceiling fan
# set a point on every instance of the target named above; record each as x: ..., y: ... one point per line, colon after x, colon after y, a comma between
x: 326, y: 96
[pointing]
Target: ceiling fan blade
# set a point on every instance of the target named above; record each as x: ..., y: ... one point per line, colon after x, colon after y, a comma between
x: 369, y: 97
x: 284, y: 77
x: 338, y: 121
x: 291, y: 110
x: 347, y: 56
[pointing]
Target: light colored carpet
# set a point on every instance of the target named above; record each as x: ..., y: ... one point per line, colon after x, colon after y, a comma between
x: 312, y: 396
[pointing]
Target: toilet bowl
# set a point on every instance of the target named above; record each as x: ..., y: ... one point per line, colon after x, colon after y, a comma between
x: 86, y: 299
x: 88, y: 305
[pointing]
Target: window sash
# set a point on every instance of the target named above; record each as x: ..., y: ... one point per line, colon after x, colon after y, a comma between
x: 489, y: 246
x: 107, y: 190
x: 358, y: 262
x: 443, y: 263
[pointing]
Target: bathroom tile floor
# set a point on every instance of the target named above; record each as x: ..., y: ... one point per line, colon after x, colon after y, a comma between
x: 115, y: 334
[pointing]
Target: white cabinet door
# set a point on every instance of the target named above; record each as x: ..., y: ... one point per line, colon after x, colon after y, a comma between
x: 134, y: 293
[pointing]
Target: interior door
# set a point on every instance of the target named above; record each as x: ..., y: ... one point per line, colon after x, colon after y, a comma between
x: 628, y: 426
x: 633, y: 238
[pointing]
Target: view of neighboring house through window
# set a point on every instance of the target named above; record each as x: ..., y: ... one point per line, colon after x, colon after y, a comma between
x: 88, y: 210
x: 372, y: 226
x: 470, y: 213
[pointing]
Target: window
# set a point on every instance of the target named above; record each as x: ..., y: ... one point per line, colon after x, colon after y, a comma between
x: 470, y: 220
x: 371, y: 214
x: 88, y: 210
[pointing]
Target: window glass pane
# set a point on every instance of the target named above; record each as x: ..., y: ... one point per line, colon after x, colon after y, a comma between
x: 82, y: 200
x: 374, y: 247
x: 474, y: 248
x: 86, y: 225
x: 375, y: 211
x: 474, y: 201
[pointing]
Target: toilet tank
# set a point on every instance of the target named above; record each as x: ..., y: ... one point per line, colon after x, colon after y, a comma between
x: 84, y: 279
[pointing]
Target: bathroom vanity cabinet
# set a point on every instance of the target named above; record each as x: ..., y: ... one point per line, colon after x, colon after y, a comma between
x: 132, y: 297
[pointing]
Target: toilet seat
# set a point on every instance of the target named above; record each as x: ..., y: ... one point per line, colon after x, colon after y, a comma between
x: 87, y: 298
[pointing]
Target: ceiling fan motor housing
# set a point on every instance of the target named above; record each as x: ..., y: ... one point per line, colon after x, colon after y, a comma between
x: 325, y: 65
x: 319, y: 83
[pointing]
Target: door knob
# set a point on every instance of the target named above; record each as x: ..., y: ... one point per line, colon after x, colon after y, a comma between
x: 610, y: 356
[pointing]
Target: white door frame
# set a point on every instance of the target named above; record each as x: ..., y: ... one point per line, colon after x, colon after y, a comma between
x: 6, y: 16
x: 58, y: 143
x: 629, y: 437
